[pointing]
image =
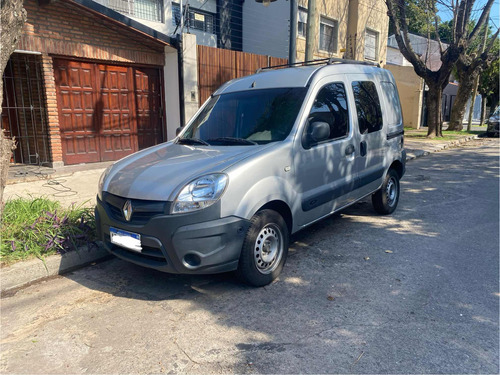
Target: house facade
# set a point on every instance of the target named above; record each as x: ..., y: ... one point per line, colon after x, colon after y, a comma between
x: 346, y: 29
x: 87, y: 84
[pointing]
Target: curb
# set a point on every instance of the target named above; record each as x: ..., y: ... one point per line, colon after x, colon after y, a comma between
x: 417, y: 153
x: 27, y: 272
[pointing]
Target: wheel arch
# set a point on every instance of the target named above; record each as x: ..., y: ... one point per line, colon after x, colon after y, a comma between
x: 398, y: 167
x: 283, y: 209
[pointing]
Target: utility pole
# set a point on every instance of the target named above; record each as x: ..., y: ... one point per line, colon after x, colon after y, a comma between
x: 312, y: 29
x: 476, y: 82
x: 292, y: 47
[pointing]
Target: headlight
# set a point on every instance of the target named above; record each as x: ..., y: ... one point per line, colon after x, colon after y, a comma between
x: 101, y: 181
x: 200, y: 193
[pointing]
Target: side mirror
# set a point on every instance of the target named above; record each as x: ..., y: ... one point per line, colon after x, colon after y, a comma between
x: 178, y: 130
x: 316, y: 132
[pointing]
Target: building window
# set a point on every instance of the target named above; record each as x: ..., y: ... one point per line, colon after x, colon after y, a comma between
x: 151, y: 10
x: 371, y: 44
x: 302, y: 22
x: 196, y: 19
x: 328, y: 35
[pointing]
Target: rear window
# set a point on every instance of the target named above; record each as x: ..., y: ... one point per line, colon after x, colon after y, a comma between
x: 367, y: 106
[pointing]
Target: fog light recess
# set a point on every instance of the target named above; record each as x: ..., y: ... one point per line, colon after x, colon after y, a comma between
x: 191, y: 260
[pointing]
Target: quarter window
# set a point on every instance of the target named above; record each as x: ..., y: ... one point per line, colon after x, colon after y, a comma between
x: 330, y: 106
x: 394, y: 116
x: 367, y: 106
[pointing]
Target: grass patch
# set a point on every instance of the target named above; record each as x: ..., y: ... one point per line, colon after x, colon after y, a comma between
x: 448, y: 135
x: 38, y: 227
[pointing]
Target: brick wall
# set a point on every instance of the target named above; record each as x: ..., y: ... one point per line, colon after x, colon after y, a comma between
x: 60, y: 28
x: 52, y: 113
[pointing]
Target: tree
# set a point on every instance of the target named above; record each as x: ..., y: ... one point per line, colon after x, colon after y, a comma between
x: 12, y: 18
x: 469, y: 66
x: 488, y: 87
x: 459, y: 40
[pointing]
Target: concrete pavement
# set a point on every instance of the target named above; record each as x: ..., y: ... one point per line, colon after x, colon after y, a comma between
x: 414, y: 292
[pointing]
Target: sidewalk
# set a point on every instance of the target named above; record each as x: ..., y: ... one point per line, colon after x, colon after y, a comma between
x: 78, y: 184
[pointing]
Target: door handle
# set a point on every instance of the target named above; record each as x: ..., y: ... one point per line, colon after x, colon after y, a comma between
x: 349, y: 150
x: 362, y: 148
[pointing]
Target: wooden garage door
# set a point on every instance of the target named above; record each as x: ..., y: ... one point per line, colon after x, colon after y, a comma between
x: 106, y: 111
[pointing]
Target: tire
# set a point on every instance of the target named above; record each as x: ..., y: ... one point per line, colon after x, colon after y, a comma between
x: 264, y: 250
x: 386, y: 199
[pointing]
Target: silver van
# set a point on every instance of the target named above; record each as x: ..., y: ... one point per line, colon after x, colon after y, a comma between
x: 264, y: 157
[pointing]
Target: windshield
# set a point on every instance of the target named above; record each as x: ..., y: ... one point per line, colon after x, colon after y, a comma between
x: 246, y: 118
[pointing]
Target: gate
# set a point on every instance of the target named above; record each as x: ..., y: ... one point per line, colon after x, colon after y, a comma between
x: 24, y: 115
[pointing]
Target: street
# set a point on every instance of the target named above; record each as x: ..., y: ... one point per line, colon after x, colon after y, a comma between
x: 415, y: 292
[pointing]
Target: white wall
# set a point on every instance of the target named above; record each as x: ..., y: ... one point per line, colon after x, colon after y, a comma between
x: 172, y: 103
x: 265, y: 29
x: 190, y: 75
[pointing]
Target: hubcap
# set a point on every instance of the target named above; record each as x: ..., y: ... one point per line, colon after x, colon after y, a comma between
x: 392, y: 191
x: 268, y: 248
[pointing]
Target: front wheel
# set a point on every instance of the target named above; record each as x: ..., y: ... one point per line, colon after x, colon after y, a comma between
x: 386, y: 199
x: 265, y: 249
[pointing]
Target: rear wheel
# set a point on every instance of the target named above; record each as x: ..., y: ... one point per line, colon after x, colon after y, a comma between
x: 265, y: 249
x: 386, y: 199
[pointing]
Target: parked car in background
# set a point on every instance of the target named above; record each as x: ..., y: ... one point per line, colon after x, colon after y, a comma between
x: 492, y: 129
x: 266, y: 156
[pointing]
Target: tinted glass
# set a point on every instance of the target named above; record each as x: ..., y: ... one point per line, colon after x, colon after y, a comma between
x: 367, y: 106
x: 394, y: 116
x: 330, y: 106
x: 260, y: 116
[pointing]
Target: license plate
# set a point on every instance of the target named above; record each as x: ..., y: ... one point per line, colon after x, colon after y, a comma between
x: 128, y: 240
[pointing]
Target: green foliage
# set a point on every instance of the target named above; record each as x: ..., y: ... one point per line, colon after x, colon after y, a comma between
x: 38, y: 227
x: 488, y: 83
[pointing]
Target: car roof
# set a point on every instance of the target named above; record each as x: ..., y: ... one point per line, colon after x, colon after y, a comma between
x: 293, y: 77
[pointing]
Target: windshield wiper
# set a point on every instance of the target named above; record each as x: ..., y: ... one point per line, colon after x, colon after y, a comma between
x: 231, y: 141
x: 192, y: 141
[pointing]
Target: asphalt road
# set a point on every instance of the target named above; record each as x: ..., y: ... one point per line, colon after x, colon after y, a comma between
x: 344, y: 304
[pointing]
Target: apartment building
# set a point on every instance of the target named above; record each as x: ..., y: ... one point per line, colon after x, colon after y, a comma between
x: 353, y: 29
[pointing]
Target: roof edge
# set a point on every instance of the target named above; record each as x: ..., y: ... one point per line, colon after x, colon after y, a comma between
x: 124, y: 21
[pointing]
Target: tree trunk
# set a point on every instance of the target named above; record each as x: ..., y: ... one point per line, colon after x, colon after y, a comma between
x: 434, y: 103
x: 12, y: 18
x: 459, y: 105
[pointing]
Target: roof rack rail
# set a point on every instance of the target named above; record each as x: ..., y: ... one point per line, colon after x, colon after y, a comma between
x: 327, y: 61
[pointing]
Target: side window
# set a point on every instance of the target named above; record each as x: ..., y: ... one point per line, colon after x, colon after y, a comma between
x: 367, y: 106
x: 330, y: 106
x: 394, y: 116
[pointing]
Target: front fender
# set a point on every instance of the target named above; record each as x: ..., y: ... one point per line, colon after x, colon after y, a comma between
x: 264, y: 191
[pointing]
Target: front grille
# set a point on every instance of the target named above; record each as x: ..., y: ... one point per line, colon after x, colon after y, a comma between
x: 142, y: 210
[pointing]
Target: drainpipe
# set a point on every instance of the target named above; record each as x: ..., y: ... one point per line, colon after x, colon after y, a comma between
x: 180, y: 63
x: 293, y: 32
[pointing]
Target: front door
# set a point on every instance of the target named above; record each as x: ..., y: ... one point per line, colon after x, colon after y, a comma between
x: 325, y: 173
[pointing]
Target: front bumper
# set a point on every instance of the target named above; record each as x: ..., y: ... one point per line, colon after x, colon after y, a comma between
x: 194, y: 243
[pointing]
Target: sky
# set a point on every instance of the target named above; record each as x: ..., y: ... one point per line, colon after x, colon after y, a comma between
x: 446, y: 14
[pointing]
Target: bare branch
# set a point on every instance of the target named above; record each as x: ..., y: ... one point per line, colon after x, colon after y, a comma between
x: 482, y: 19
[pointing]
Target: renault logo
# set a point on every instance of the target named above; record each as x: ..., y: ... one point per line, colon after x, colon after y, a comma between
x: 127, y: 210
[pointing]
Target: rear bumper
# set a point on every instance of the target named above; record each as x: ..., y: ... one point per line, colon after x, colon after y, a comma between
x: 194, y: 243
